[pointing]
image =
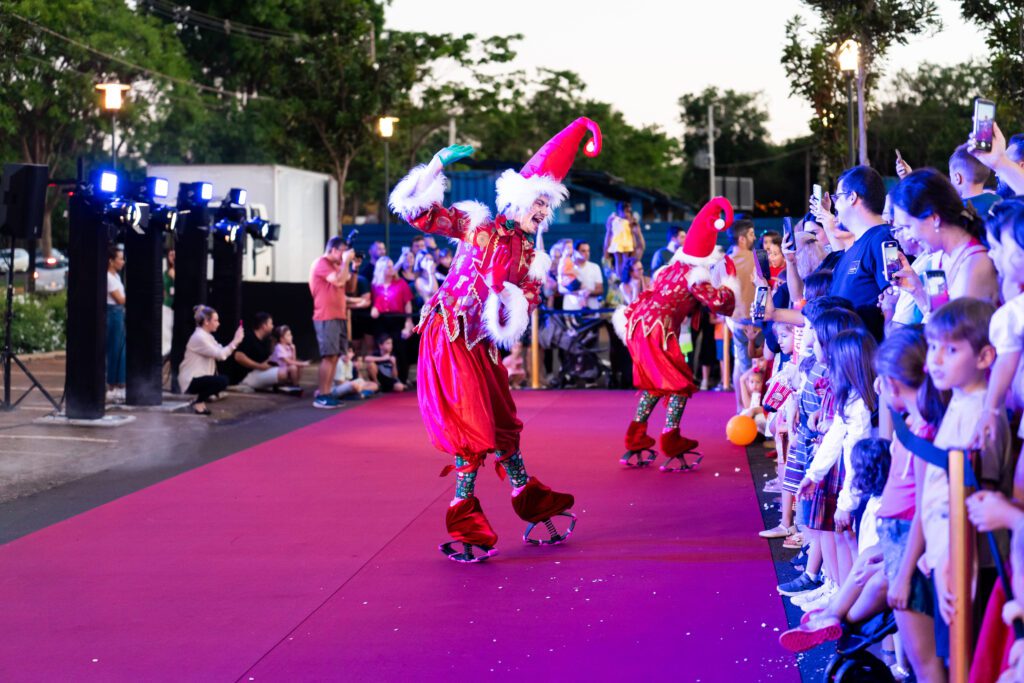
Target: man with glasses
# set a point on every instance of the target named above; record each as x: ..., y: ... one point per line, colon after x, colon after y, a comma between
x: 859, y: 275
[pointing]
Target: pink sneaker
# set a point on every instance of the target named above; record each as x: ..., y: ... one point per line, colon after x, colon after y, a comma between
x: 811, y: 634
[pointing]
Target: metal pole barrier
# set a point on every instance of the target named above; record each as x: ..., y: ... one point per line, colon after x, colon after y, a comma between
x: 961, y: 561
x: 727, y: 355
x: 535, y: 349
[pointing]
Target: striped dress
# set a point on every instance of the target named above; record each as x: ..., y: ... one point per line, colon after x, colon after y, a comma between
x: 804, y: 441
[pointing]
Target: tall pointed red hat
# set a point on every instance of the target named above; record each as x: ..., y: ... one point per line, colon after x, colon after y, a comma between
x: 544, y: 172
x: 699, y: 245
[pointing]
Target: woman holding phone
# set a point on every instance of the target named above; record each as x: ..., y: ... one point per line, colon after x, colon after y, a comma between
x: 927, y: 205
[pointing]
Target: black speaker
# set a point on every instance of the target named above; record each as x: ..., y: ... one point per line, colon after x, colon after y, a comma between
x: 23, y: 200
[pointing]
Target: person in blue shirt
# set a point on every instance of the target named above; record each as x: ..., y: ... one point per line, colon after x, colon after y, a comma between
x: 859, y: 275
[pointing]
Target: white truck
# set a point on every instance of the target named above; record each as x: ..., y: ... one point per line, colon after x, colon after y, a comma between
x: 304, y: 203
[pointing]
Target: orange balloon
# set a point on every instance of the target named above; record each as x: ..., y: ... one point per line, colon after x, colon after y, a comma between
x: 741, y: 430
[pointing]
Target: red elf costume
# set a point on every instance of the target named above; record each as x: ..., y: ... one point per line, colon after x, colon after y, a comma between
x: 485, y: 302
x: 650, y: 325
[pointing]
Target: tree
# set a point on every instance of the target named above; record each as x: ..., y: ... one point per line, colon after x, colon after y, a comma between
x: 740, y: 133
x: 1003, y: 26
x: 813, y: 70
x: 49, y: 111
x: 926, y: 113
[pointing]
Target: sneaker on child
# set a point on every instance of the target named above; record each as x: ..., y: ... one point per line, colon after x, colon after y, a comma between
x: 799, y: 585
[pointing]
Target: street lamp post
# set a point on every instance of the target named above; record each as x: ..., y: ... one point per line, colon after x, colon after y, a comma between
x: 849, y: 61
x: 386, y: 128
x: 113, y: 99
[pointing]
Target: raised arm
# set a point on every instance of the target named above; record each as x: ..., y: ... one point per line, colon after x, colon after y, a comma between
x: 418, y: 198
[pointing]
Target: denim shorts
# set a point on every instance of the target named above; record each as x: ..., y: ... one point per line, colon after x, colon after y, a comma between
x: 893, y: 535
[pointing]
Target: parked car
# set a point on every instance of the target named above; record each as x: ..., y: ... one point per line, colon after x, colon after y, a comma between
x: 51, y: 273
x: 20, y: 260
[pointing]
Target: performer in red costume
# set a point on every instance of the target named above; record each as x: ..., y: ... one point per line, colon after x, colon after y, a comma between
x: 649, y: 326
x: 485, y: 302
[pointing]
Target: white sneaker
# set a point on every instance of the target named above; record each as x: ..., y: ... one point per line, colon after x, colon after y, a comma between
x: 810, y: 596
x: 821, y: 602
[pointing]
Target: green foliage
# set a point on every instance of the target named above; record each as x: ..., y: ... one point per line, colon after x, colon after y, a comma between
x: 1002, y: 23
x: 811, y: 65
x: 925, y: 114
x: 39, y: 322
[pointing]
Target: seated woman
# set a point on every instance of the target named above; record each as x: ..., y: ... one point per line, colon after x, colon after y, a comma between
x: 198, y: 370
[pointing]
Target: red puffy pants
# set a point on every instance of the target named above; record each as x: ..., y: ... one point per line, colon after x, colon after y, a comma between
x: 464, y: 396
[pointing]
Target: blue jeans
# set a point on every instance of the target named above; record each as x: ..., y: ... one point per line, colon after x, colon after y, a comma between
x: 116, y: 356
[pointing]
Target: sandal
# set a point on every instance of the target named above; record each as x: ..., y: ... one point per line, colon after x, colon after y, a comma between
x: 197, y: 411
x: 777, y: 532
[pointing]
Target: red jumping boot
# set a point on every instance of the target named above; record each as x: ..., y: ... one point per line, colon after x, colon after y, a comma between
x: 676, y: 446
x: 639, y: 446
x: 537, y: 504
x: 467, y: 525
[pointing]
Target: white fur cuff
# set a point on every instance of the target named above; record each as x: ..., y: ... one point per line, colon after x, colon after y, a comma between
x: 478, y: 213
x: 540, y: 267
x: 516, y: 308
x: 733, y: 283
x: 417, y: 192
x: 696, y: 275
x: 619, y: 323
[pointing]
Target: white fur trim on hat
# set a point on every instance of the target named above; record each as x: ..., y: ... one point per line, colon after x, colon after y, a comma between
x: 518, y: 192
x: 478, y: 213
x: 517, y: 314
x: 619, y: 322
x: 417, y: 192
x: 682, y: 257
x: 696, y: 275
x: 540, y: 267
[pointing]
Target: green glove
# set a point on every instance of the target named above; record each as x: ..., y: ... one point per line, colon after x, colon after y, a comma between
x: 453, y: 153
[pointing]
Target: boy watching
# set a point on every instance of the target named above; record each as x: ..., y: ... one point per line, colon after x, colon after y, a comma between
x: 959, y: 358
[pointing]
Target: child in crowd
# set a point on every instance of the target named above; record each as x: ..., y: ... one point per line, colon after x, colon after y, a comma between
x: 863, y: 595
x: 383, y: 368
x: 347, y: 381
x: 1006, y: 331
x: 841, y: 342
x: 753, y: 393
x: 513, y: 363
x: 904, y: 387
x: 959, y: 358
x: 284, y: 353
x: 781, y: 399
x: 803, y: 440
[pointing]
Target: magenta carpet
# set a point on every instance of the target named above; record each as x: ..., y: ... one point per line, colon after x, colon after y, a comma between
x: 314, y: 557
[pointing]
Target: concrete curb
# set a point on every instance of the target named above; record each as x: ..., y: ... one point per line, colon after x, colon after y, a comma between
x: 43, y: 355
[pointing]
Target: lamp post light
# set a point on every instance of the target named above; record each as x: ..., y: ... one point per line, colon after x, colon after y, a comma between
x: 386, y: 128
x: 113, y: 99
x: 849, y: 63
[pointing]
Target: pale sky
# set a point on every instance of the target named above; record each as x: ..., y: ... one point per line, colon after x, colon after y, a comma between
x: 643, y: 54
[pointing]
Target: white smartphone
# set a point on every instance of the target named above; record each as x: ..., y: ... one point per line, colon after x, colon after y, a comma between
x: 816, y: 191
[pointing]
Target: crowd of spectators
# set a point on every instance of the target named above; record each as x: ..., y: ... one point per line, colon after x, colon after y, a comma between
x: 856, y: 349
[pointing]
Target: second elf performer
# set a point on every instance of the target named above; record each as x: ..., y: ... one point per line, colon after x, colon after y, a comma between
x: 485, y: 302
x: 649, y: 327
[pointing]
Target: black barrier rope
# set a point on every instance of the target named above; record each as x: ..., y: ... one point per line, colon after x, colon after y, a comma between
x: 934, y: 455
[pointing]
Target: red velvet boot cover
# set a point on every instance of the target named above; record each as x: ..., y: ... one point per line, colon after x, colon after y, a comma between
x: 636, y: 437
x: 673, y: 443
x: 536, y: 502
x: 466, y: 522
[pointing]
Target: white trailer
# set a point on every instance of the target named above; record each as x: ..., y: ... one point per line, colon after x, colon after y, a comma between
x: 304, y: 203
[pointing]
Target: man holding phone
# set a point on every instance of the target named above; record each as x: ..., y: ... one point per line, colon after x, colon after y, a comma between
x: 742, y: 235
x: 327, y: 279
x: 859, y: 275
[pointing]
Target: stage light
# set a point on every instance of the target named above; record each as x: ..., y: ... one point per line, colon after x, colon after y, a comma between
x: 226, y: 229
x: 205, y: 191
x: 261, y: 229
x: 157, y: 187
x: 107, y: 182
x: 163, y: 217
x: 237, y: 196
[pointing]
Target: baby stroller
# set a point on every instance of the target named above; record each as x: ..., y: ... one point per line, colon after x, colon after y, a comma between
x: 853, y: 663
x: 578, y: 340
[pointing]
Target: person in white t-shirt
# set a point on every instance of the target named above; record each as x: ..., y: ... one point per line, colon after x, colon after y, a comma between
x: 116, y: 357
x: 585, y: 287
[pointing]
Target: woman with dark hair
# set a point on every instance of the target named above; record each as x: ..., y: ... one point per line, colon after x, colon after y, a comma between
x: 116, y: 355
x: 633, y: 280
x: 927, y: 205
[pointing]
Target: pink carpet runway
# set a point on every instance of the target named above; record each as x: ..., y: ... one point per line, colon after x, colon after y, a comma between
x: 313, y: 557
